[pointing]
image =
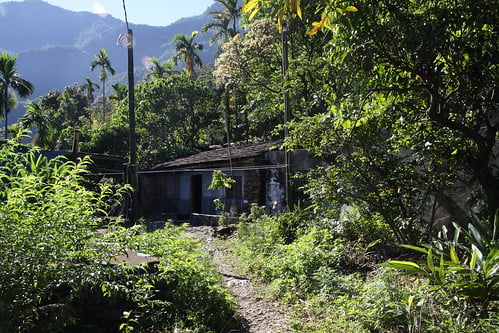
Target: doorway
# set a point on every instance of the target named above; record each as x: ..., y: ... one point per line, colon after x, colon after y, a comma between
x: 196, y: 192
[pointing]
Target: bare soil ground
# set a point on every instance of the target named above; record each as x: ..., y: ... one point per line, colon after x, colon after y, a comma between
x: 260, y: 313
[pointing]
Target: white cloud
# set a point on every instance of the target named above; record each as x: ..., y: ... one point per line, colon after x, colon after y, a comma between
x: 99, y: 9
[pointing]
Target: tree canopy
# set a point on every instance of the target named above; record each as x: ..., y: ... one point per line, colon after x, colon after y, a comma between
x: 432, y: 61
x: 186, y: 50
x: 10, y: 79
x: 399, y: 98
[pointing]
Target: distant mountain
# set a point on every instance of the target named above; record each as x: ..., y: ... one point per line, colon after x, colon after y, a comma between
x: 55, y: 46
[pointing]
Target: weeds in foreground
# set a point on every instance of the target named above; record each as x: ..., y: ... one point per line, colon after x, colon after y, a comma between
x: 302, y: 262
x: 55, y: 250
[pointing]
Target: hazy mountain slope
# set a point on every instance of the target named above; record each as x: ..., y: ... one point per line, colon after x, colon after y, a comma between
x: 55, y: 46
x: 36, y: 24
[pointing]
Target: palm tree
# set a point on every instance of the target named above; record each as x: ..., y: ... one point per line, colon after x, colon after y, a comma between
x: 233, y: 11
x: 223, y: 19
x: 221, y: 27
x: 68, y: 108
x: 10, y: 79
x: 120, y: 92
x: 88, y: 87
x: 102, y: 60
x: 186, y: 50
x: 39, y: 118
x: 158, y: 70
x: 12, y: 101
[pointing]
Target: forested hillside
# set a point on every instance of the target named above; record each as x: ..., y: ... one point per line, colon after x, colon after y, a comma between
x: 394, y: 229
x: 55, y: 45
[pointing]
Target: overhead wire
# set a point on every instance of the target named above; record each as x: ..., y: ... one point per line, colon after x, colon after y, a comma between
x: 233, y: 168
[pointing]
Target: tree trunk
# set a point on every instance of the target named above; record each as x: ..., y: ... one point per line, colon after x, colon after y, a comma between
x: 103, y: 100
x: 485, y: 142
x: 488, y: 181
x: 6, y: 109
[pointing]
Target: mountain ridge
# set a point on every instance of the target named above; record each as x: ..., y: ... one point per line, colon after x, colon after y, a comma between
x: 55, y: 46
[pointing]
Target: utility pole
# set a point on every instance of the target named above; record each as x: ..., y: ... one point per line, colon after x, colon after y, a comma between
x: 132, y: 135
x: 132, y: 177
x: 286, y: 108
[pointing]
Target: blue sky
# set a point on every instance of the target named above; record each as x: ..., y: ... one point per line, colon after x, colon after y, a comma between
x: 151, y: 12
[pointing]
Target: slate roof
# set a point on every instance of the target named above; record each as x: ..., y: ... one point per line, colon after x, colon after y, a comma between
x: 221, y: 155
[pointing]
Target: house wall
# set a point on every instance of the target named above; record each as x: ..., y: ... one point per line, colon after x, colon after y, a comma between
x: 275, y: 183
x: 189, y: 194
x: 158, y: 192
x: 178, y: 194
x: 275, y: 190
x: 275, y: 198
x: 254, y: 188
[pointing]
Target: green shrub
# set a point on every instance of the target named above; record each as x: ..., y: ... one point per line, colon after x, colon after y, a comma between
x: 290, y: 225
x: 287, y: 251
x: 465, y: 267
x: 382, y: 302
x: 54, y: 254
x: 48, y: 224
x: 371, y: 305
x: 187, y: 282
x: 365, y: 228
x: 307, y: 270
x: 292, y: 267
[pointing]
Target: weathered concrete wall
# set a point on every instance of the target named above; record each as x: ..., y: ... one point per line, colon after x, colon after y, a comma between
x: 173, y: 193
x: 157, y: 192
x: 185, y: 205
x: 184, y: 192
x: 254, y: 185
x: 275, y: 190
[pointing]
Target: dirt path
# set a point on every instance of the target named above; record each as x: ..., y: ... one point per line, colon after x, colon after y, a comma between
x: 261, y: 315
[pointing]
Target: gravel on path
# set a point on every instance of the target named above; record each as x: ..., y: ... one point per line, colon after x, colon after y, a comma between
x: 260, y: 314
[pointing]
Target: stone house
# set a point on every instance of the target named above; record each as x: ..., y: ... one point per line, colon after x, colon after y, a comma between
x: 179, y: 188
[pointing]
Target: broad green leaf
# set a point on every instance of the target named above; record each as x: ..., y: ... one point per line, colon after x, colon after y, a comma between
x: 410, y: 301
x: 373, y: 243
x: 491, y: 266
x: 453, y: 255
x: 250, y: 5
x: 441, y: 270
x: 406, y: 265
x: 296, y: 8
x: 252, y: 15
x: 351, y: 9
x: 496, y: 227
x: 478, y: 231
x: 429, y: 261
x: 416, y: 248
x: 457, y: 233
x: 347, y: 124
x: 473, y: 258
x: 299, y: 12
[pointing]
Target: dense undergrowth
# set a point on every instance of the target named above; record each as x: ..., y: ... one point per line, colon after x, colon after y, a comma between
x: 55, y: 254
x: 333, y: 270
x: 328, y: 271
